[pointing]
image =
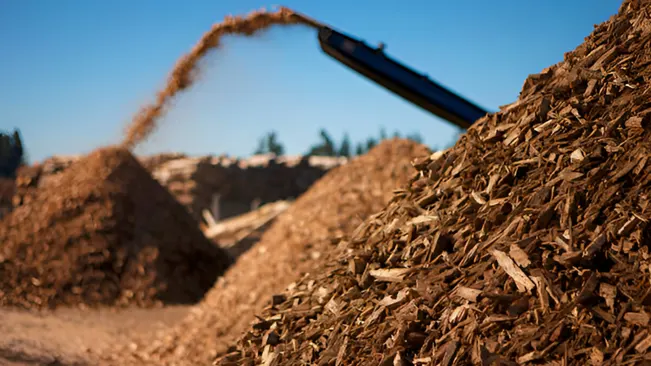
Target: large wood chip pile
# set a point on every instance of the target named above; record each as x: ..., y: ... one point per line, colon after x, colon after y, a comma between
x: 301, y: 237
x: 104, y: 233
x: 526, y: 243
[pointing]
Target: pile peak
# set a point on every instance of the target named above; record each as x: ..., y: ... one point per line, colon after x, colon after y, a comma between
x: 525, y: 243
x: 104, y: 233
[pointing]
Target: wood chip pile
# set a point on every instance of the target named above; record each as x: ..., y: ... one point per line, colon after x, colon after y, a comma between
x: 526, y: 243
x: 29, y: 178
x: 194, y: 181
x: 300, y: 237
x: 104, y: 233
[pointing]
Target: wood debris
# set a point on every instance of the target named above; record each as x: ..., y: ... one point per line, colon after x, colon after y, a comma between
x: 240, y: 225
x: 542, y: 234
x: 508, y: 265
x: 271, y: 273
x: 104, y: 233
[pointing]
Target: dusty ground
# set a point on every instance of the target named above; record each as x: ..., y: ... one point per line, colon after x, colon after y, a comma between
x: 73, y: 336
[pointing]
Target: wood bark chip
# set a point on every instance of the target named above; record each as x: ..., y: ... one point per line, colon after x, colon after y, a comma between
x: 468, y: 293
x: 519, y: 255
x: 508, y: 265
x: 641, y: 319
x: 389, y: 274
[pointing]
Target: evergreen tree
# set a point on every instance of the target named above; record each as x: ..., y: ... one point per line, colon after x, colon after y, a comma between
x: 273, y: 145
x: 328, y: 144
x: 370, y: 143
x: 269, y: 144
x: 359, y: 150
x: 344, y: 149
x: 325, y: 148
x: 19, y: 151
x: 383, y: 134
x: 262, y: 146
x: 12, y: 154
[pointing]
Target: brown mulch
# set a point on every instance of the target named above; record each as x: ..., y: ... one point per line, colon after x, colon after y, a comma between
x: 526, y: 243
x: 300, y: 237
x: 104, y: 233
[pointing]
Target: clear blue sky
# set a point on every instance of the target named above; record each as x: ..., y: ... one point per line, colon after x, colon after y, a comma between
x: 72, y: 73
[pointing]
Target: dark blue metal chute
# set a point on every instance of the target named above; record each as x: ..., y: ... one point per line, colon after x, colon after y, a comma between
x: 408, y: 84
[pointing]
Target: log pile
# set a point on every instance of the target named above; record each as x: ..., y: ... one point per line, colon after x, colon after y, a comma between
x: 104, y: 233
x: 152, y: 162
x: 235, y: 185
x: 526, y: 243
x: 299, y: 238
x: 237, y: 234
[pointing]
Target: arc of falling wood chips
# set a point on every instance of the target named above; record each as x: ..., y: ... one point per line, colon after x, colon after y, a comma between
x: 522, y: 281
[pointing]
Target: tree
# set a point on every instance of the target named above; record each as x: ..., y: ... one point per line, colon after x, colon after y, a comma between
x: 359, y: 150
x: 325, y: 148
x: 383, y: 134
x: 344, y: 149
x: 273, y: 144
x: 20, y: 153
x: 262, y: 146
x: 370, y: 143
x: 269, y: 144
x: 12, y: 154
x: 328, y: 144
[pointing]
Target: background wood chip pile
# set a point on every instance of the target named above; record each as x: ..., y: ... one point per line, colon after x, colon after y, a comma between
x: 300, y: 237
x: 194, y: 181
x: 104, y: 232
x: 31, y: 177
x: 526, y: 243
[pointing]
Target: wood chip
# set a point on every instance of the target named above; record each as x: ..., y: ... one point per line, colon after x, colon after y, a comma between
x: 467, y: 293
x: 519, y: 255
x: 506, y: 263
x: 641, y: 319
x: 389, y: 274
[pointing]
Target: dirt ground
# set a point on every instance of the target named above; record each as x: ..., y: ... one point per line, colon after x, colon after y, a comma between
x: 72, y: 336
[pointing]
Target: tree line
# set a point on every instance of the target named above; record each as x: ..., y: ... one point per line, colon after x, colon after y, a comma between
x: 326, y: 146
x: 12, y: 153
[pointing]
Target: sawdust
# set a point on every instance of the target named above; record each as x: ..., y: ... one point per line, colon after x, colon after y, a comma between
x: 186, y: 70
